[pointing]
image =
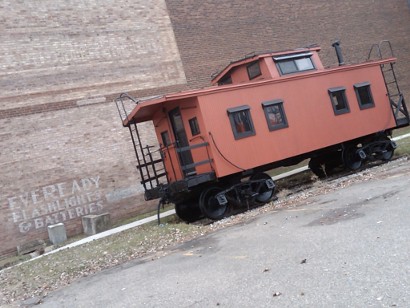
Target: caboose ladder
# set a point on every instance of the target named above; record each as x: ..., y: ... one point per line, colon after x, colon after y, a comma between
x: 150, y: 163
x: 398, y: 105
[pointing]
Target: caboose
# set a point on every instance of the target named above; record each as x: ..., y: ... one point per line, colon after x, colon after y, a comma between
x: 264, y: 111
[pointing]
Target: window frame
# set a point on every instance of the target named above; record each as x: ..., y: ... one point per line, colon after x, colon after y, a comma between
x: 359, y: 86
x: 240, y: 135
x: 346, y: 109
x: 194, y: 126
x: 227, y: 79
x: 251, y: 75
x: 279, y: 103
x: 280, y: 59
x: 166, y: 140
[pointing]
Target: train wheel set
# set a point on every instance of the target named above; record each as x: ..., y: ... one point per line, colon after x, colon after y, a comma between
x: 353, y: 155
x: 217, y: 201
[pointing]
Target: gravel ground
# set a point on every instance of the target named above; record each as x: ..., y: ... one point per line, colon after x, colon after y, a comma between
x: 29, y: 282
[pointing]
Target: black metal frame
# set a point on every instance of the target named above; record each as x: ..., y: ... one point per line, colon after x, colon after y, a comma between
x: 279, y: 103
x: 280, y: 59
x: 194, y: 126
x: 150, y: 168
x: 360, y: 86
x: 227, y: 79
x: 332, y: 91
x: 171, y: 191
x: 195, y: 146
x: 245, y: 191
x: 396, y: 98
x: 397, y: 103
x: 249, y: 68
x: 239, y: 135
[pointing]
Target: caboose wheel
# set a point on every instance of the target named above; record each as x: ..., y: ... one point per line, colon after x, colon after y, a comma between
x: 209, y: 204
x: 388, y: 152
x: 386, y: 156
x: 188, y: 211
x: 315, y: 166
x: 351, y: 159
x: 265, y: 193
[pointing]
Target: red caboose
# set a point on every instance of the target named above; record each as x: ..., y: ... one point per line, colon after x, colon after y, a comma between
x: 264, y: 111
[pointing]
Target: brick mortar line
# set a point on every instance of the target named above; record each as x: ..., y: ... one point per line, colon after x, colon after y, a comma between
x: 68, y: 104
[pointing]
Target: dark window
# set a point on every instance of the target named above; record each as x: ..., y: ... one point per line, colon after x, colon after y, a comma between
x: 339, y: 100
x: 364, y: 95
x: 254, y: 70
x: 165, y: 139
x: 294, y: 63
x: 241, y: 122
x: 227, y: 79
x: 193, y: 124
x: 275, y: 114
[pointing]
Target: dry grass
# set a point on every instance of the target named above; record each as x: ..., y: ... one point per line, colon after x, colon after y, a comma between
x: 40, y: 276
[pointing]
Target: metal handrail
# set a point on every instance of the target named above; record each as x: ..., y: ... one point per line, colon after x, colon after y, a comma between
x: 378, y: 49
x: 119, y: 102
x: 126, y: 95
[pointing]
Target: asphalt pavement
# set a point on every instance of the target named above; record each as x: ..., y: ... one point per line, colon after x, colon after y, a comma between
x: 343, y: 248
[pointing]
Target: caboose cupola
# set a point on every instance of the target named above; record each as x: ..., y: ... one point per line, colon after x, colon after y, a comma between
x: 269, y: 65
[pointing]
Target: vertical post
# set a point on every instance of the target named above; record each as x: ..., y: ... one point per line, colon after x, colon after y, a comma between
x: 142, y: 153
x: 153, y: 166
x: 339, y: 55
x: 136, y: 154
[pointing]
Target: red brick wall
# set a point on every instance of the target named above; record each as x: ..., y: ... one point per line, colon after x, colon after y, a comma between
x: 212, y: 33
x: 61, y: 64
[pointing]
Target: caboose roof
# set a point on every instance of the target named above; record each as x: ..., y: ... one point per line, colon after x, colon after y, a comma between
x: 145, y: 109
x: 255, y: 56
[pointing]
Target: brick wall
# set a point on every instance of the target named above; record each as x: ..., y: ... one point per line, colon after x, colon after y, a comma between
x: 212, y: 33
x: 53, y: 51
x: 60, y: 165
x: 63, y: 150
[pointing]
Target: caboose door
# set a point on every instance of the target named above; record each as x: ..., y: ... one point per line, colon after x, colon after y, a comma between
x: 182, y: 144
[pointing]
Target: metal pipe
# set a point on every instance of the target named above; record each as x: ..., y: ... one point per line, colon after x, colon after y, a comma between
x: 339, y: 55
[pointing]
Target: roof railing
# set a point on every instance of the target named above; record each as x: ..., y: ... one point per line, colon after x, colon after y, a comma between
x: 378, y: 49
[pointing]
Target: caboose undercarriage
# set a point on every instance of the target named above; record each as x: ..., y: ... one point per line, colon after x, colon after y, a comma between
x: 216, y: 198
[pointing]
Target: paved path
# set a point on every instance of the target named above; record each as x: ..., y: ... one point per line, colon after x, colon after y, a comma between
x: 347, y: 248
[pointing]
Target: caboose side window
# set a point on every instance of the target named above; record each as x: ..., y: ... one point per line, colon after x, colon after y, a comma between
x: 339, y: 100
x: 364, y: 95
x: 193, y: 124
x: 227, y: 79
x: 241, y: 122
x: 294, y: 63
x: 254, y: 70
x: 275, y: 114
x: 165, y: 139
